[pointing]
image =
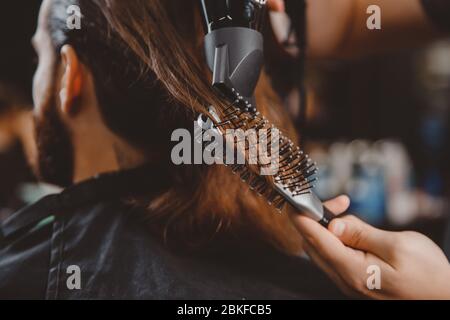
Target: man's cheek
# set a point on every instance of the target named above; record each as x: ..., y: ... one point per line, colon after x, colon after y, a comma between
x: 37, y: 91
x: 41, y: 90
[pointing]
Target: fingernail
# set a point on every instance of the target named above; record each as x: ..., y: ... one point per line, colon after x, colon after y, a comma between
x: 338, y: 228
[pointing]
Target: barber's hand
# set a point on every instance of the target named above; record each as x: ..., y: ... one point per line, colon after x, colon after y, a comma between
x: 411, y: 265
x: 276, y: 5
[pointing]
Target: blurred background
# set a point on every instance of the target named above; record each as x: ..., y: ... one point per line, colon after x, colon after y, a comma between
x: 378, y: 128
x: 18, y: 186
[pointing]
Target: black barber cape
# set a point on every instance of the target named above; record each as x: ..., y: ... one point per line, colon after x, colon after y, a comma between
x: 86, y: 243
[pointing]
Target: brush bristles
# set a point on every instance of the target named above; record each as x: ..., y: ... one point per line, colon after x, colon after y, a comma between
x: 296, y: 170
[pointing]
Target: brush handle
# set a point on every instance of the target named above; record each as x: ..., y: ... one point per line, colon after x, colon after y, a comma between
x: 328, y: 216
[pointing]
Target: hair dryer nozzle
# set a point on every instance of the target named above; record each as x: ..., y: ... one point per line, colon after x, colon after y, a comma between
x: 234, y: 44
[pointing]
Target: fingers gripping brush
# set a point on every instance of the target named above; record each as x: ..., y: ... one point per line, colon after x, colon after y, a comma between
x: 234, y: 53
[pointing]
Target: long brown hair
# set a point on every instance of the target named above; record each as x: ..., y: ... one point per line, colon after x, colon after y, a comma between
x: 148, y: 65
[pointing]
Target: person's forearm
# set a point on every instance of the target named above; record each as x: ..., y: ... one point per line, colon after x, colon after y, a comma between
x: 338, y: 28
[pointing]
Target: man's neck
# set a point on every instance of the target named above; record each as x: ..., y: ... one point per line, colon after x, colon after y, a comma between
x: 104, y: 155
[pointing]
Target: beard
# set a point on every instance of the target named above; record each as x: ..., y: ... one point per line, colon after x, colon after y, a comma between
x: 55, y: 163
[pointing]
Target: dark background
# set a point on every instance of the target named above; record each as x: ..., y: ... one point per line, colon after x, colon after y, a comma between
x: 18, y: 19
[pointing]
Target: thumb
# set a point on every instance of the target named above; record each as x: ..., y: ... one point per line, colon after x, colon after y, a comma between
x: 359, y: 235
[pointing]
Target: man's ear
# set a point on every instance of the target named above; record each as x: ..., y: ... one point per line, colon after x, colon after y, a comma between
x: 72, y: 80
